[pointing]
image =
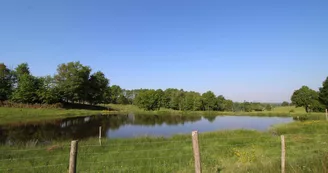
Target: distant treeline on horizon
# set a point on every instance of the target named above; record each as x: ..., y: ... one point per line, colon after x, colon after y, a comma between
x: 75, y: 83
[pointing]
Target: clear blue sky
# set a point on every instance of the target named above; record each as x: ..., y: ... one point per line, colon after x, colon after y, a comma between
x: 245, y: 50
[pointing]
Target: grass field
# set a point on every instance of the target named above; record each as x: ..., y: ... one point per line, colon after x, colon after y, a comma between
x: 288, y: 111
x: 224, y: 151
x: 18, y: 115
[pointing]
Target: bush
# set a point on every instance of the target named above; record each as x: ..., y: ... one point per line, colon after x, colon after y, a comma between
x: 292, y: 111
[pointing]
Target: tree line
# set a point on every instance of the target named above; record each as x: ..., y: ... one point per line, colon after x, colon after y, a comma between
x: 311, y: 100
x: 77, y: 83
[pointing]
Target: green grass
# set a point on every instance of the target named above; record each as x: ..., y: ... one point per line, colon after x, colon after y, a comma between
x: 228, y: 151
x: 276, y: 112
x: 18, y: 115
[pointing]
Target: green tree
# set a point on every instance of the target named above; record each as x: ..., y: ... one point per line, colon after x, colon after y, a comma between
x: 72, y: 80
x: 268, y: 107
x: 129, y: 95
x: 148, y: 100
x: 220, y: 103
x: 172, y: 98
x: 247, y: 107
x: 284, y: 103
x: 22, y: 69
x: 48, y: 92
x: 229, y: 106
x: 209, y: 101
x: 98, y: 84
x: 160, y: 95
x: 116, y: 92
x: 122, y: 100
x: 237, y: 107
x: 179, y: 99
x: 6, y: 82
x: 323, y: 93
x: 305, y: 97
x: 257, y: 106
x: 26, y: 91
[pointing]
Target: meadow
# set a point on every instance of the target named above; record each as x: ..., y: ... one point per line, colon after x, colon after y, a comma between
x: 280, y: 111
x: 19, y: 115
x: 222, y: 151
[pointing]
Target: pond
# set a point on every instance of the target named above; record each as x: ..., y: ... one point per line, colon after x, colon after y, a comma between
x: 128, y: 126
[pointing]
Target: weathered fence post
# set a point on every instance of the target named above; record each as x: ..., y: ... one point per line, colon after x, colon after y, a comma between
x: 100, y: 135
x: 195, y: 145
x: 283, y: 154
x: 326, y: 114
x: 73, y: 157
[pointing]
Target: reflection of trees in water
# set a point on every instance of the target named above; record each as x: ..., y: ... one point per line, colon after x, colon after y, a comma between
x: 161, y: 119
x: 83, y: 127
x: 210, y: 118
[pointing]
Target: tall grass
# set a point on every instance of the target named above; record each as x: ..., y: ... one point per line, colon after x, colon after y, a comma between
x: 223, y: 151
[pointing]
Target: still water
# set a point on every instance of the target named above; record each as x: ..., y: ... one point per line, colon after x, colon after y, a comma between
x: 128, y: 126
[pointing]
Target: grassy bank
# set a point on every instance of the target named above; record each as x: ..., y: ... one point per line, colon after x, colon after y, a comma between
x: 17, y: 115
x: 224, y: 151
x: 288, y: 111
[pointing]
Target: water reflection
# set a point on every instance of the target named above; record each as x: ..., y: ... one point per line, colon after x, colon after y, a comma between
x: 82, y: 127
x: 129, y: 126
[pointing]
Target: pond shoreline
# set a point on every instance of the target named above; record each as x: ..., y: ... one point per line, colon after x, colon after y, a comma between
x: 233, y: 151
x: 25, y: 115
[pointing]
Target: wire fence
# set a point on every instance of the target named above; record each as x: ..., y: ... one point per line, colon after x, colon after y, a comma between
x: 303, y: 153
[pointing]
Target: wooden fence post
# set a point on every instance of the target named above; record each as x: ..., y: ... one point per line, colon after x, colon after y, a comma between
x: 283, y: 154
x: 326, y: 114
x: 73, y: 157
x: 100, y: 135
x: 198, y: 168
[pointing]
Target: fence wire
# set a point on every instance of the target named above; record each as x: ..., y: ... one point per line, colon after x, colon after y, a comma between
x: 217, y: 153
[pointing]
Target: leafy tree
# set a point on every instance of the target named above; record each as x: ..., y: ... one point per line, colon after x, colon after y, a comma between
x: 209, y: 101
x: 72, y: 80
x: 48, y: 92
x: 229, y: 105
x: 268, y: 107
x: 107, y: 95
x: 323, y: 93
x: 148, y: 100
x: 6, y: 82
x: 179, y: 99
x: 129, y: 95
x: 257, y: 106
x: 26, y: 91
x: 159, y: 95
x: 98, y: 84
x: 122, y: 100
x: 284, y: 103
x: 172, y: 98
x: 247, y: 107
x: 192, y: 101
x: 237, y: 107
x: 305, y: 97
x: 220, y: 103
x: 22, y: 69
x: 116, y: 92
